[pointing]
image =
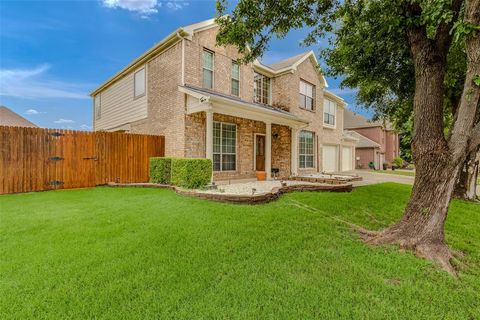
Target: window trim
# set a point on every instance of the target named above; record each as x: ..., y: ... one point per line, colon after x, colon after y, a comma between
x: 327, y: 125
x: 221, y: 153
x: 232, y: 79
x: 98, y: 111
x: 212, y: 71
x: 305, y: 96
x: 144, y: 82
x: 304, y: 154
x: 269, y: 102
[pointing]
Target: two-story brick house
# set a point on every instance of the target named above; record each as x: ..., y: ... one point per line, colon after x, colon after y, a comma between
x: 245, y: 117
x: 377, y: 140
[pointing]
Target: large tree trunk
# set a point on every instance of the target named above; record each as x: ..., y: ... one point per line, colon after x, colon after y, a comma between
x: 421, y: 228
x: 437, y: 159
x: 466, y: 185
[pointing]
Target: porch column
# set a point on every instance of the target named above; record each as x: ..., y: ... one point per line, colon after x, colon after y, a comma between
x: 268, y: 150
x: 294, y: 152
x: 209, y: 135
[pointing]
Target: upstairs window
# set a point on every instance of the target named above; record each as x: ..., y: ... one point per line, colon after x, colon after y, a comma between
x: 208, y: 69
x: 235, y: 79
x: 306, y: 149
x: 97, y: 107
x: 139, y: 83
x: 306, y: 95
x: 261, y: 89
x: 329, y: 110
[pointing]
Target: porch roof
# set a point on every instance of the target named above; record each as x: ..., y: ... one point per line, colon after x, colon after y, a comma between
x: 229, y: 105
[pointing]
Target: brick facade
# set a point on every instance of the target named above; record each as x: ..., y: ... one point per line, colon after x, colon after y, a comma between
x: 185, y: 134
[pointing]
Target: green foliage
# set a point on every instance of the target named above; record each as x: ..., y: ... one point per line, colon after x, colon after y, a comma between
x: 134, y: 253
x: 398, y: 162
x: 367, y: 46
x: 160, y: 170
x: 476, y: 80
x: 191, y: 173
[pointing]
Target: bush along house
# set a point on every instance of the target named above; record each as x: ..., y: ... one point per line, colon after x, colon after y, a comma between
x: 278, y: 119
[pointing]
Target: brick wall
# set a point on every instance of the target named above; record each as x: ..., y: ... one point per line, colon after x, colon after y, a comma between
x: 222, y: 65
x: 366, y: 155
x: 166, y: 111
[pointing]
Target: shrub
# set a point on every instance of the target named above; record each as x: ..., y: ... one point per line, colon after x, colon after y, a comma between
x: 160, y: 170
x: 371, y: 165
x: 191, y: 173
x: 398, y: 162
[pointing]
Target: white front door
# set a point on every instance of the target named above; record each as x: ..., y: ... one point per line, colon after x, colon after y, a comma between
x: 330, y: 158
x: 347, y: 158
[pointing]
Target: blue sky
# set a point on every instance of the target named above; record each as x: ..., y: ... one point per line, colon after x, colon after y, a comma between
x: 53, y: 53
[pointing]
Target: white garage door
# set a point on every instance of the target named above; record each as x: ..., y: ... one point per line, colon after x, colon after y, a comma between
x: 347, y: 158
x: 330, y: 158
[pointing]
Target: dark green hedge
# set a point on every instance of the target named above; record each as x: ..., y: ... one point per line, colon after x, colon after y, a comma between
x: 191, y: 173
x: 160, y: 170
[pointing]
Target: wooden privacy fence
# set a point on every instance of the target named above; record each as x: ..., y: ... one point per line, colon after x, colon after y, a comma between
x: 35, y: 159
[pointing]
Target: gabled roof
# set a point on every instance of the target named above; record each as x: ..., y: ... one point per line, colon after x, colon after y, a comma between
x: 352, y: 120
x: 10, y: 118
x: 289, y: 65
x: 187, y: 32
x: 289, y: 62
x: 363, y: 142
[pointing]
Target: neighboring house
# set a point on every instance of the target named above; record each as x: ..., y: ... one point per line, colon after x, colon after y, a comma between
x: 245, y: 117
x: 10, y: 118
x: 378, y: 142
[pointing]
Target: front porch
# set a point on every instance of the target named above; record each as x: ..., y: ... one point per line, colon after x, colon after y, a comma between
x: 241, y: 138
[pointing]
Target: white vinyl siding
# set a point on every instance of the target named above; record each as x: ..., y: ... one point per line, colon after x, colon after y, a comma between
x: 119, y: 105
x: 98, y: 106
x: 235, y: 79
x: 329, y: 111
x: 208, y: 62
x: 139, y: 84
x: 306, y: 149
x: 306, y: 95
x: 224, y: 146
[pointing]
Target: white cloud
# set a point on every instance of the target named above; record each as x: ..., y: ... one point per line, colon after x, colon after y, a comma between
x: 64, y: 121
x: 85, y: 127
x: 33, y: 112
x: 34, y: 84
x: 145, y: 7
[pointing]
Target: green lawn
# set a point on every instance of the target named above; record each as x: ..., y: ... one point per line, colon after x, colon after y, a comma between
x: 397, y: 172
x: 112, y: 253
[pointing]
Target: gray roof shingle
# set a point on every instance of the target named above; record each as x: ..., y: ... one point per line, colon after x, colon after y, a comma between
x: 10, y: 118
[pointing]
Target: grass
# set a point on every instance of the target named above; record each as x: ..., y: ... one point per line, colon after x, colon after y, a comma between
x: 134, y: 253
x: 397, y: 172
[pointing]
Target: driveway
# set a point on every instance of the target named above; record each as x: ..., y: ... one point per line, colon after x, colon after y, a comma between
x: 373, y: 178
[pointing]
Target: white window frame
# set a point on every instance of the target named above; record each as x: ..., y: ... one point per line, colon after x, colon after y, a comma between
x: 300, y: 155
x: 304, y: 96
x: 325, y: 124
x: 221, y: 153
x: 233, y: 79
x: 204, y: 68
x: 97, y: 108
x: 135, y: 95
x: 255, y: 90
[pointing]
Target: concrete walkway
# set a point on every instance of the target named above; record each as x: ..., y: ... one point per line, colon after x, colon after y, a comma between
x: 373, y: 178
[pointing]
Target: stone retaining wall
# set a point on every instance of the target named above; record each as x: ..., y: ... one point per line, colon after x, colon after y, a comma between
x: 243, y: 199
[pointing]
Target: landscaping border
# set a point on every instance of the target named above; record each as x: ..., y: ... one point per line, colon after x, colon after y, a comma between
x: 261, y: 198
x: 333, y: 181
